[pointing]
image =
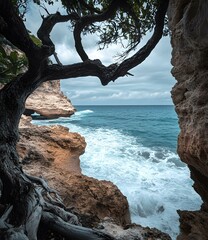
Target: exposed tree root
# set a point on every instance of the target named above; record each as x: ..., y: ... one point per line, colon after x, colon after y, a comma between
x: 71, y: 231
x: 42, y: 208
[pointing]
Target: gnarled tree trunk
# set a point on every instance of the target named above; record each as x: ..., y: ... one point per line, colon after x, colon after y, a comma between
x: 27, y: 203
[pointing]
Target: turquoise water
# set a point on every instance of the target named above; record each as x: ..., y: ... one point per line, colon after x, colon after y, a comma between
x: 154, y: 126
x: 135, y: 148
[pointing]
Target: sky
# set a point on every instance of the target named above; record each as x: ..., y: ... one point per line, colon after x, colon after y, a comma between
x: 150, y: 84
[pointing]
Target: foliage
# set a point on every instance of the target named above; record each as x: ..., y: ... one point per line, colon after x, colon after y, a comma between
x: 36, y: 40
x: 130, y: 23
x: 50, y: 2
x: 132, y: 20
x: 12, y: 63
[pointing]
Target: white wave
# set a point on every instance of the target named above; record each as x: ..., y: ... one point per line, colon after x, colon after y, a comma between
x: 84, y: 112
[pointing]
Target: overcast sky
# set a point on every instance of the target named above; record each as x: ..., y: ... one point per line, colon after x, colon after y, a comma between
x: 150, y: 85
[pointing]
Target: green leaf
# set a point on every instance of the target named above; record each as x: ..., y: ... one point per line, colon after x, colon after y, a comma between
x: 36, y: 40
x: 13, y: 57
x: 2, y: 51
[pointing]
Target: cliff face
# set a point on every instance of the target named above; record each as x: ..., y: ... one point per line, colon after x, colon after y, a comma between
x: 188, y: 23
x: 48, y: 101
x: 53, y: 153
x: 52, y: 146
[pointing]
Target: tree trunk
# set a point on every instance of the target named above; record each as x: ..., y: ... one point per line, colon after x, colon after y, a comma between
x: 27, y: 203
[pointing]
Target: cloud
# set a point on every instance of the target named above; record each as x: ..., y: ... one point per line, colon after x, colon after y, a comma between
x: 151, y: 83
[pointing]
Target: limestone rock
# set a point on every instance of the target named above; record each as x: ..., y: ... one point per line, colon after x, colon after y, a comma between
x: 193, y: 225
x: 50, y: 145
x: 97, y: 203
x: 90, y: 199
x: 95, y: 200
x: 48, y: 101
x: 189, y: 40
x: 53, y: 153
x: 133, y: 232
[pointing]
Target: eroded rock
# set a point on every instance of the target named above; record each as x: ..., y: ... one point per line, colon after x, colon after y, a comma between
x: 48, y: 101
x: 187, y: 21
x: 90, y: 199
x: 53, y: 153
x: 133, y: 232
x: 50, y: 146
x: 193, y: 225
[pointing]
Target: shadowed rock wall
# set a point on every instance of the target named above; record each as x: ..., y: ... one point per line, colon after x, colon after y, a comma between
x: 188, y: 20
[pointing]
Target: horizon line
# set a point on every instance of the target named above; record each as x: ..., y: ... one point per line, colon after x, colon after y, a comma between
x: 122, y: 104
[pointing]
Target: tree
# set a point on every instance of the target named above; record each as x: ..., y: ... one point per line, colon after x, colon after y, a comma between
x: 27, y: 203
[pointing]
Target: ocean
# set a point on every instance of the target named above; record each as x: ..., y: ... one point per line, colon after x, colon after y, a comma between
x: 135, y: 148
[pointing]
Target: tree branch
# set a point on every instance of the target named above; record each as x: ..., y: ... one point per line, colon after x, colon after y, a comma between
x: 83, y: 69
x: 87, y: 20
x: 113, y: 71
x: 145, y: 51
x: 88, y: 7
x: 48, y: 24
x: 14, y: 30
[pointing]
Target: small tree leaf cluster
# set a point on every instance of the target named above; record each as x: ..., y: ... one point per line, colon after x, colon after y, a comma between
x: 127, y: 27
x: 12, y: 63
x: 133, y: 20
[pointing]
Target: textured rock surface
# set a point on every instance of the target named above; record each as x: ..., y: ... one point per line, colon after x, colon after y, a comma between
x: 133, y: 232
x: 53, y: 153
x: 97, y: 203
x: 49, y: 101
x: 92, y: 200
x: 188, y: 22
x: 193, y: 225
x: 50, y: 145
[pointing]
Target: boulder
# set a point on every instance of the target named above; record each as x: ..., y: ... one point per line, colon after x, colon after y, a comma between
x: 48, y: 101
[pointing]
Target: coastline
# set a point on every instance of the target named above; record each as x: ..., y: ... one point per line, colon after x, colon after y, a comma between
x: 53, y: 152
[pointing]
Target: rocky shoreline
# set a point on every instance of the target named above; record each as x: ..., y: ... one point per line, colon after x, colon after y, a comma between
x: 53, y: 152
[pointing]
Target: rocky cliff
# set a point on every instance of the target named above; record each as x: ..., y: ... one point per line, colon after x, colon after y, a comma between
x: 52, y: 152
x: 189, y: 37
x: 49, y: 101
x: 52, y: 146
